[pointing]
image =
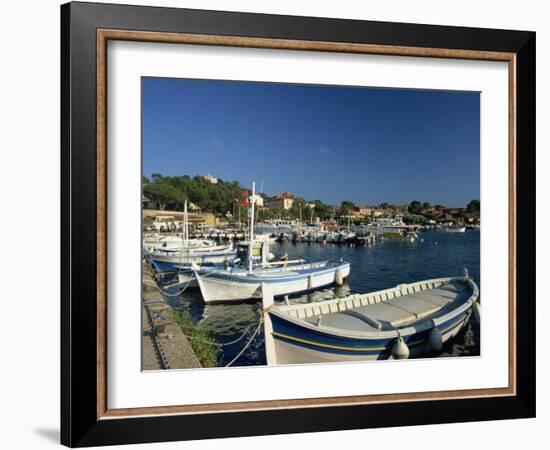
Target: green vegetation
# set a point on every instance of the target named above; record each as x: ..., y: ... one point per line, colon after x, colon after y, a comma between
x: 415, y: 207
x: 414, y: 219
x: 171, y: 192
x: 220, y: 198
x: 225, y: 197
x: 420, y: 212
x: 345, y: 208
x: 200, y: 338
x: 473, y: 206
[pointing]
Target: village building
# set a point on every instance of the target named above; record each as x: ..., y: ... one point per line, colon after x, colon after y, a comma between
x: 258, y: 200
x: 284, y: 200
x: 210, y: 179
x: 361, y: 212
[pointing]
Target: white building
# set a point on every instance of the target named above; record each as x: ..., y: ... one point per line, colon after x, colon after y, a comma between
x: 210, y: 179
x: 259, y: 200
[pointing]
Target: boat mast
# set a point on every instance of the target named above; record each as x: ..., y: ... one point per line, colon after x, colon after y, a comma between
x: 251, y: 234
x: 184, y: 233
x: 186, y: 224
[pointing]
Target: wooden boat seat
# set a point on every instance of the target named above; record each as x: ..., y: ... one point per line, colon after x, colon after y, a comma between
x: 386, y: 313
x: 443, y: 294
x: 416, y: 305
x: 394, y: 312
x: 344, y: 321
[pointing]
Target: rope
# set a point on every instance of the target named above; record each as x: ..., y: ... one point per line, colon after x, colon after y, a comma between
x: 217, y: 344
x: 176, y: 294
x: 186, y: 284
x: 247, y: 344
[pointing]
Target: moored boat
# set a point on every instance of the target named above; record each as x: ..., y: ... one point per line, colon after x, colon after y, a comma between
x: 283, y: 277
x: 166, y: 258
x: 408, y: 320
x: 455, y: 229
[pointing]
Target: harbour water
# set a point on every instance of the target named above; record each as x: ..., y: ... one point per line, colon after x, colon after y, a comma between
x: 384, y: 264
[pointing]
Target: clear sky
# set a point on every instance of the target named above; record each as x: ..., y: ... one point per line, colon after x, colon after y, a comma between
x: 333, y: 143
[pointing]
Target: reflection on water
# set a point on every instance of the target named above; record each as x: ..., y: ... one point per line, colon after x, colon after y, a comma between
x: 382, y: 265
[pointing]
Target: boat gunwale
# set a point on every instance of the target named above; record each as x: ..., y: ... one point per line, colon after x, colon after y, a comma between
x: 245, y: 277
x: 281, y: 311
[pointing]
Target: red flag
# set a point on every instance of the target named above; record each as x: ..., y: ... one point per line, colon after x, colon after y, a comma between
x: 244, y: 201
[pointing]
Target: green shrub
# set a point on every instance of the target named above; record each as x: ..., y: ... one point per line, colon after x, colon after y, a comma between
x: 200, y: 338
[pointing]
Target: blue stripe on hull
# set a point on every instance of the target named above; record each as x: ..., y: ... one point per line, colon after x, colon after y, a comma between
x: 316, y: 340
x: 300, y: 275
x: 161, y: 266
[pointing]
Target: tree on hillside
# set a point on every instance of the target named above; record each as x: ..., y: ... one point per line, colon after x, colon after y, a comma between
x: 321, y: 210
x: 414, y: 207
x: 426, y: 205
x: 414, y: 219
x: 473, y: 206
x: 345, y: 208
x: 164, y: 195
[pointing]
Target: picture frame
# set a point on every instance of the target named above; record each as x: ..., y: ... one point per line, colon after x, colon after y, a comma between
x: 86, y: 418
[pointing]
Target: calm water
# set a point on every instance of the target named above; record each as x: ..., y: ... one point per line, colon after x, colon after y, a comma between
x: 382, y: 265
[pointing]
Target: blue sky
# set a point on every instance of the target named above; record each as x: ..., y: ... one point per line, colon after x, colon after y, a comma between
x: 333, y: 143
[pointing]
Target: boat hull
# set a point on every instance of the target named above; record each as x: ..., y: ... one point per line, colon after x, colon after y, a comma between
x: 174, y: 262
x: 224, y: 287
x: 297, y: 347
x: 187, y: 279
x: 408, y: 320
x: 455, y: 230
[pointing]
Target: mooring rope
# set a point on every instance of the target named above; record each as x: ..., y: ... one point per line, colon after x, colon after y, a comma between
x: 175, y: 294
x: 217, y: 344
x: 247, y: 344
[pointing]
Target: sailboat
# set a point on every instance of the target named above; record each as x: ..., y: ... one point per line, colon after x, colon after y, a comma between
x: 239, y: 283
x: 190, y: 251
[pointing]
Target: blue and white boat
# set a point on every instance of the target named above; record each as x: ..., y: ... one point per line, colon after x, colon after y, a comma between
x: 283, y: 277
x: 190, y: 251
x: 261, y: 256
x: 171, y: 260
x: 405, y: 321
x: 236, y: 284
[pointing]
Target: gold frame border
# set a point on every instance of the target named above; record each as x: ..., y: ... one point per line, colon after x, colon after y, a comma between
x: 104, y: 35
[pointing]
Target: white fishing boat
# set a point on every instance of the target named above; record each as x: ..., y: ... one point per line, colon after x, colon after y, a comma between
x: 236, y: 284
x: 265, y: 237
x: 408, y: 320
x: 190, y: 251
x: 454, y: 229
x: 154, y: 242
x: 283, y: 277
x: 276, y: 226
x: 261, y: 256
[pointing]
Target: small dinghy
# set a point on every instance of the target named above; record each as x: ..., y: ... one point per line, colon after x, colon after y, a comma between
x: 408, y: 320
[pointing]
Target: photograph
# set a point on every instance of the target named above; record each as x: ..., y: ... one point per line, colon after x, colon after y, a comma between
x: 301, y: 224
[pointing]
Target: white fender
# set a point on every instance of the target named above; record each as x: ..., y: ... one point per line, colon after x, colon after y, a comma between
x: 400, y: 350
x: 477, y: 311
x: 435, y: 339
x: 339, y: 277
